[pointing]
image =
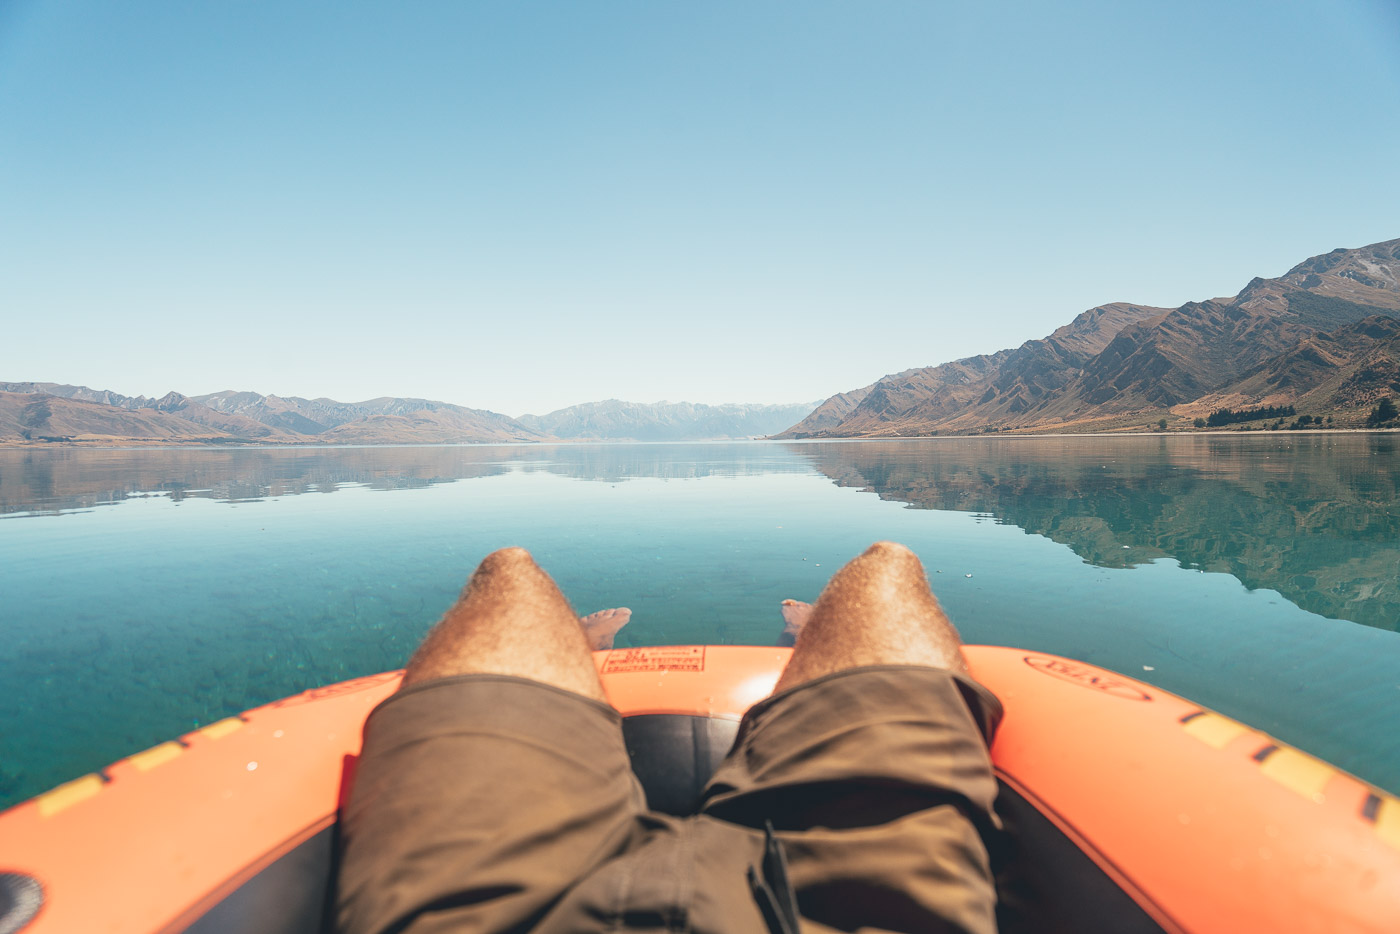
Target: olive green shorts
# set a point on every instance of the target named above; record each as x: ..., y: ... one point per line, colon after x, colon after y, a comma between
x: 491, y: 803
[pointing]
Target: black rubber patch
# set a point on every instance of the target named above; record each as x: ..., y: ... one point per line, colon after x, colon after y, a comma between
x: 674, y: 755
x: 1265, y: 752
x: 1047, y: 885
x: 290, y: 895
x: 21, y: 897
x: 1372, y: 808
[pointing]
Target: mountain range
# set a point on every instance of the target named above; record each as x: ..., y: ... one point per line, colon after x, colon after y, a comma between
x: 53, y: 412
x: 1324, y: 338
x: 665, y: 421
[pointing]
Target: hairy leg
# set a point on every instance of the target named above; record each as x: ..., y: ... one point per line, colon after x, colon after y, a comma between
x: 877, y: 610
x: 877, y: 781
x: 510, y: 620
x: 478, y: 802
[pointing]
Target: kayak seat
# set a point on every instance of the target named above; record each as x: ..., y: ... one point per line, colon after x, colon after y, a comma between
x: 1046, y: 883
x: 674, y: 755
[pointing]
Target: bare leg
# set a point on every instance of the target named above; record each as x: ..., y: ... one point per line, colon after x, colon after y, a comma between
x: 877, y: 782
x: 510, y: 620
x: 877, y: 610
x: 602, y: 627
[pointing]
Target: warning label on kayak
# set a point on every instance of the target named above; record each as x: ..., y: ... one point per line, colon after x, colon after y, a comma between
x: 335, y: 690
x: 1087, y: 676
x: 656, y: 658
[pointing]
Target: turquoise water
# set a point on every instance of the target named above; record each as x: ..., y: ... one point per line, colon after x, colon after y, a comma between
x: 147, y: 591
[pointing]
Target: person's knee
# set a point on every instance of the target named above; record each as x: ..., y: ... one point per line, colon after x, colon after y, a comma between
x: 890, y: 551
x: 891, y: 559
x: 506, y: 559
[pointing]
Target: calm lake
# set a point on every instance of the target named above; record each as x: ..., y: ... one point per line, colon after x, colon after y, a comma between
x: 144, y: 592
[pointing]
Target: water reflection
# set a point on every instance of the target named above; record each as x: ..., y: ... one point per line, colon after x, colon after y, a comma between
x: 140, y: 619
x: 52, y: 481
x: 1314, y: 517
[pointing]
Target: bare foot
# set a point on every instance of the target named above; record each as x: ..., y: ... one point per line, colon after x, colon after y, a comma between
x: 795, y: 616
x: 601, y: 627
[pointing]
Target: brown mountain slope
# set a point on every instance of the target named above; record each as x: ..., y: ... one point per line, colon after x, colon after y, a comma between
x: 830, y: 413
x: 1180, y: 356
x: 78, y: 393
x: 914, y: 401
x: 442, y: 425
x: 295, y: 415
x: 1005, y: 383
x: 41, y: 417
x: 1137, y: 362
x: 235, y: 425
x: 373, y: 421
x: 1201, y: 347
x: 1350, y: 368
x: 172, y: 403
x: 35, y: 412
x: 1325, y: 291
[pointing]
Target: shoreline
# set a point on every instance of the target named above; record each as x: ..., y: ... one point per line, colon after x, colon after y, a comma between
x: 217, y: 444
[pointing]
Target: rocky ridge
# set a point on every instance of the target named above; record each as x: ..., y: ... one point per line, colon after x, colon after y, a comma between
x: 1120, y: 365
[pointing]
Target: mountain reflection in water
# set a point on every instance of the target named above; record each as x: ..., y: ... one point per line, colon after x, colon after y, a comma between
x: 1315, y: 517
x: 51, y: 481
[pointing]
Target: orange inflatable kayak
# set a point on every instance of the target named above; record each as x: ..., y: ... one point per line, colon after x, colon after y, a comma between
x: 1126, y: 808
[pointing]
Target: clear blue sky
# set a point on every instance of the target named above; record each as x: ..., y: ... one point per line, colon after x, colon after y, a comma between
x: 521, y: 206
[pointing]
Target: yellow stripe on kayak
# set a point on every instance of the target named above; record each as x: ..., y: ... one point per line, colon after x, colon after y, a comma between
x: 220, y: 729
x: 1298, y: 771
x: 156, y: 755
x: 1214, y: 730
x: 68, y: 794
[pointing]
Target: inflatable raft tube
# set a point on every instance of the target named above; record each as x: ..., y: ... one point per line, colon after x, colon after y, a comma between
x: 1126, y: 808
